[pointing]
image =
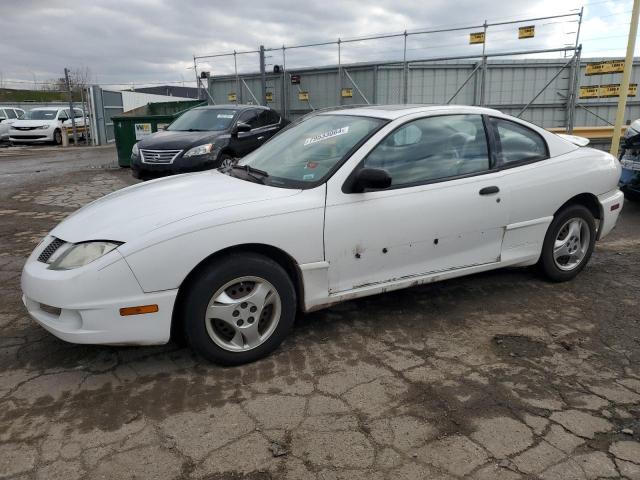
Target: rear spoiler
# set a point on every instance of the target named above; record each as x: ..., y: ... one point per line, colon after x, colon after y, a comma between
x: 579, y: 141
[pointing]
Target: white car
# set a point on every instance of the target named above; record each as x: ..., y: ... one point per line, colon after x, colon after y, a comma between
x: 342, y: 205
x: 8, y: 115
x: 45, y: 125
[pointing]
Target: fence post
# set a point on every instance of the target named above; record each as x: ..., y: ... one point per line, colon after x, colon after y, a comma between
x: 573, y: 91
x: 71, y: 111
x: 405, y: 71
x: 483, y: 79
x: 339, y: 73
x: 235, y: 69
x: 263, y: 77
x: 284, y: 83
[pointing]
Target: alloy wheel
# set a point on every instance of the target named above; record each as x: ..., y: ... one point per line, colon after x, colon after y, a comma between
x: 571, y: 244
x: 243, y: 314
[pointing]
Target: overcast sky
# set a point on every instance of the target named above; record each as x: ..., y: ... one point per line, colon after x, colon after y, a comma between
x: 145, y: 41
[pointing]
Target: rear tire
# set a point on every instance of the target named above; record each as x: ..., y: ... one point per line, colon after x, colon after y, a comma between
x: 568, y: 244
x: 238, y: 309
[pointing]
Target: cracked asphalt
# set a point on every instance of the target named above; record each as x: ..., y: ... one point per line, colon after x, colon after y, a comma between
x: 494, y: 376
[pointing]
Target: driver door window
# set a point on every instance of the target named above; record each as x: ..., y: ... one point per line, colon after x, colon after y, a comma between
x: 432, y: 149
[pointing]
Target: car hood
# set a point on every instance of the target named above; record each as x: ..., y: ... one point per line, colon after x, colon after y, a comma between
x: 32, y: 123
x: 174, y: 140
x: 134, y: 211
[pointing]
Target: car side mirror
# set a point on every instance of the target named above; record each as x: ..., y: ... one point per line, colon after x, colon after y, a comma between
x: 2, y: 120
x: 242, y: 127
x: 371, y: 178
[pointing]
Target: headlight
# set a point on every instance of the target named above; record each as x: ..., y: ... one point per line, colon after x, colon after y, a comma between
x: 199, y: 150
x: 81, y: 254
x: 134, y: 150
x: 44, y: 127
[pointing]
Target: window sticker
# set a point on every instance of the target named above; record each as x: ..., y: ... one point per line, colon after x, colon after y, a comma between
x: 225, y: 115
x: 308, y: 176
x: 325, y: 135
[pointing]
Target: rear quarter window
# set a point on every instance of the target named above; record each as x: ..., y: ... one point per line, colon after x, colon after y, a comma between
x: 518, y: 144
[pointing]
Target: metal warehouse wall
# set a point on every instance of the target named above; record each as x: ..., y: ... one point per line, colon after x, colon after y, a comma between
x: 510, y: 86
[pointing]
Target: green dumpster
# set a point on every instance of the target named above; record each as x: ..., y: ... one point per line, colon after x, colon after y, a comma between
x: 133, y: 125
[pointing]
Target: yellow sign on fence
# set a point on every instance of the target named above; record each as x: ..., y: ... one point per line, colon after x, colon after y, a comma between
x: 528, y: 31
x: 269, y: 96
x: 589, y: 92
x: 476, y: 37
x: 346, y: 92
x: 609, y: 66
x: 303, y: 96
x: 232, y: 97
x: 606, y: 91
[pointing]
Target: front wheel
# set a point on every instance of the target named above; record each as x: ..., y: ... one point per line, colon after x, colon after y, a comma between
x: 238, y: 309
x: 226, y: 161
x: 57, y: 136
x: 568, y: 244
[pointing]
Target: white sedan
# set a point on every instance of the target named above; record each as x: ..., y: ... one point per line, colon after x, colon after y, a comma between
x: 342, y: 205
x: 45, y: 124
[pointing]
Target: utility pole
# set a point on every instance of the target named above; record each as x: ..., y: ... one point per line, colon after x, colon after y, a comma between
x: 195, y: 70
x: 71, y: 112
x: 263, y: 77
x: 626, y: 75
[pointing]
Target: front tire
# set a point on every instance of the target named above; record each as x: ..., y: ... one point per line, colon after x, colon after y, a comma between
x: 568, y: 244
x: 57, y: 136
x: 238, y: 309
x: 226, y: 161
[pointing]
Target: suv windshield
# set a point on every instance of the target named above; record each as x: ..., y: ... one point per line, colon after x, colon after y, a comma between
x: 202, y: 119
x: 40, y: 115
x: 310, y: 151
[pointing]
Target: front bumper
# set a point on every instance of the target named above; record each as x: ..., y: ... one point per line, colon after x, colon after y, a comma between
x: 36, y: 135
x: 83, y: 305
x: 611, y: 204
x: 179, y: 165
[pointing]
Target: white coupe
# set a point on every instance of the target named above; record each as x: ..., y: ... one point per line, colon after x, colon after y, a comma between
x: 342, y: 205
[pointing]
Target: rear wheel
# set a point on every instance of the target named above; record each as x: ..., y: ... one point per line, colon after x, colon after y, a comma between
x: 568, y: 244
x: 238, y: 309
x: 57, y: 136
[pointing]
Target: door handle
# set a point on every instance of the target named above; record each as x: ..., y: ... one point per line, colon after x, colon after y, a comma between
x: 489, y: 190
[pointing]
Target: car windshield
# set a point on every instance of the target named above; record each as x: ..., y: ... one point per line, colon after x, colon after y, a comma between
x: 310, y: 151
x: 40, y: 115
x: 203, y: 119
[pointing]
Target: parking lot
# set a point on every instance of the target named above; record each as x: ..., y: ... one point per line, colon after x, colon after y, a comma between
x: 493, y: 376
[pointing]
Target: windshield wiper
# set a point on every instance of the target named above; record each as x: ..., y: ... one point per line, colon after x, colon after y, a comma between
x: 252, y: 172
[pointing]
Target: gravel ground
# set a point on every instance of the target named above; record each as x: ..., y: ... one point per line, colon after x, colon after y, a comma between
x: 493, y: 376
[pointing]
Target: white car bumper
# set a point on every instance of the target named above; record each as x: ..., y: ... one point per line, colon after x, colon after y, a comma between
x: 83, y: 305
x: 36, y: 135
x: 611, y: 203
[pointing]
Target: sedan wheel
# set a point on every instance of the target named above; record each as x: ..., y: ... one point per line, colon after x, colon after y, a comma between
x: 568, y: 243
x: 243, y: 314
x: 226, y: 162
x: 57, y: 137
x: 238, y: 308
x: 572, y: 244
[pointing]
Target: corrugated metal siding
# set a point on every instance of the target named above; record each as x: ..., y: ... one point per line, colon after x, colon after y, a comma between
x: 510, y: 85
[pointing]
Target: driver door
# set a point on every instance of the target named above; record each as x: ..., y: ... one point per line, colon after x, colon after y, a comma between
x: 446, y: 207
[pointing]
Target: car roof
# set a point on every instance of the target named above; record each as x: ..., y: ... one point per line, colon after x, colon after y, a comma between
x: 392, y: 112
x: 232, y: 106
x: 49, y: 108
